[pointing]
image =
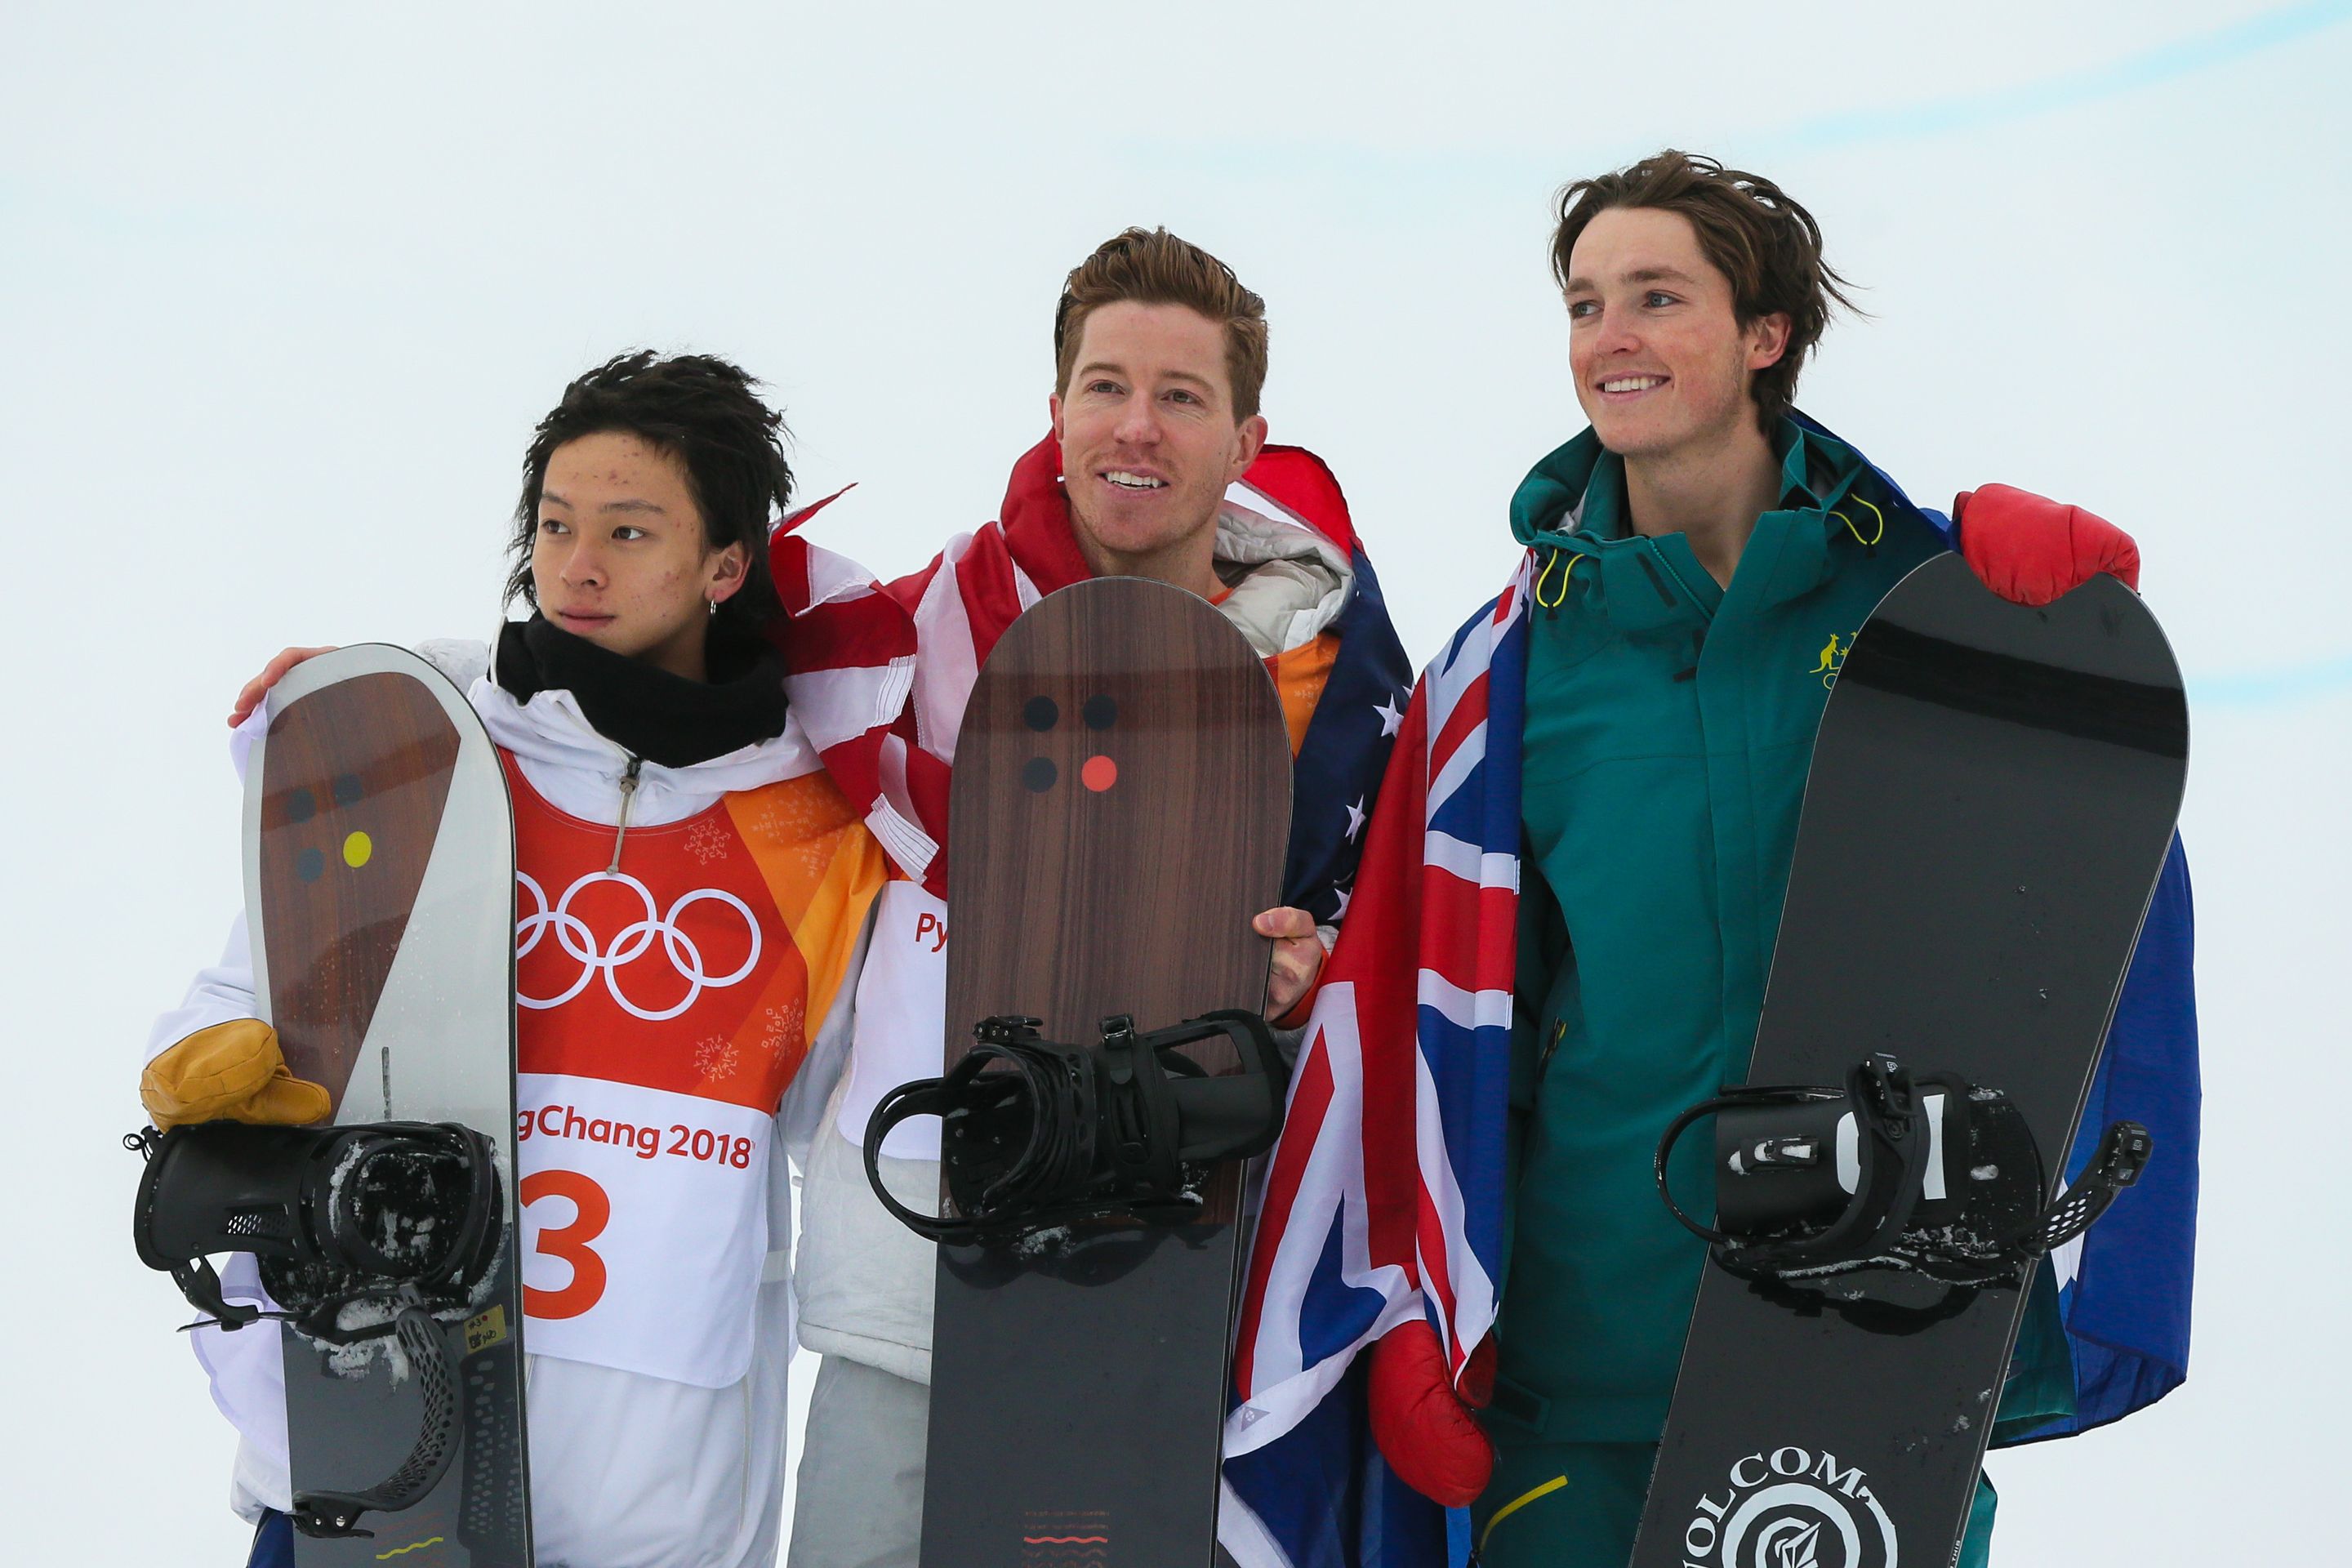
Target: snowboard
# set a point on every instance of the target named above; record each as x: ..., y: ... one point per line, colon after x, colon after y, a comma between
x: 379, y: 896
x: 1993, y: 795
x: 1119, y: 811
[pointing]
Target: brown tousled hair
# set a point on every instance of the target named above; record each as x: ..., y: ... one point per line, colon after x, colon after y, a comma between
x: 1749, y: 229
x: 1152, y: 266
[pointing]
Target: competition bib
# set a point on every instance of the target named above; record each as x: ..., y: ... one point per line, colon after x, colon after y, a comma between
x: 661, y: 1011
x: 645, y: 1224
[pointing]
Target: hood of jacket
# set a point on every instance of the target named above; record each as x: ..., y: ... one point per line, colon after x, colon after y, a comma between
x: 1575, y: 497
x: 1570, y: 511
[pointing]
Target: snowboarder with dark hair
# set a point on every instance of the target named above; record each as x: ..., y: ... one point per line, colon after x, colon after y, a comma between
x: 656, y: 776
x: 1697, y: 560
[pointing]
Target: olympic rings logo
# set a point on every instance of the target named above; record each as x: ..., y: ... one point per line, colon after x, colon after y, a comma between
x: 629, y: 944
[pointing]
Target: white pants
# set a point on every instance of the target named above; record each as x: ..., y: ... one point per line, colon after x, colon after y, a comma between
x: 859, y: 1502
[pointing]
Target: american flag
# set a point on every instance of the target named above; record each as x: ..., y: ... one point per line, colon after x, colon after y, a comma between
x: 1384, y: 1199
x: 881, y: 673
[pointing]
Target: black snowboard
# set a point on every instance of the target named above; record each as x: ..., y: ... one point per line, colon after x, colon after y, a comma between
x: 1991, y: 797
x: 380, y: 896
x: 1120, y: 808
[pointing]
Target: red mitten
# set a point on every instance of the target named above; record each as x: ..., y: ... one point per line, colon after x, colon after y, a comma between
x: 1424, y: 1429
x: 2029, y: 550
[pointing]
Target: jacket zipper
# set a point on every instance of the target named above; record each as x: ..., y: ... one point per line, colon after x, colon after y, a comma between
x: 1543, y: 1062
x: 628, y: 796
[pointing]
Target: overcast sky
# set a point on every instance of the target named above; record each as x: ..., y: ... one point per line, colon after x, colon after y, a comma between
x: 284, y: 291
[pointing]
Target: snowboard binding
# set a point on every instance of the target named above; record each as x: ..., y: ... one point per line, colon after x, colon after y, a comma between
x: 362, y: 1232
x: 1038, y: 1133
x: 1930, y: 1175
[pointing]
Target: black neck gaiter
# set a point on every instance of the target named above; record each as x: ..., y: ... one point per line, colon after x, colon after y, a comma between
x: 663, y: 717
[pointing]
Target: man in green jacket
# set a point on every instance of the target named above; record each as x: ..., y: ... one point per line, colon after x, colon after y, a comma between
x: 1705, y: 556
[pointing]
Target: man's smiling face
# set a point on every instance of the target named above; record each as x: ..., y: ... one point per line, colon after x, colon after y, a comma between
x: 1148, y: 436
x: 1661, y: 360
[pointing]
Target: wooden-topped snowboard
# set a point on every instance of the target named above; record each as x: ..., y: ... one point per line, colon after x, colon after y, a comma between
x: 1991, y: 799
x: 1120, y: 809
x: 380, y: 896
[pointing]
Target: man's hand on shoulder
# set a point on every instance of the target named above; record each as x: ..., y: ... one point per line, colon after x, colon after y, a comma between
x: 2031, y: 549
x: 271, y: 674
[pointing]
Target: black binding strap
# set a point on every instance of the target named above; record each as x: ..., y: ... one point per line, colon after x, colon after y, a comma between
x: 1787, y: 1219
x: 1892, y: 1147
x: 332, y: 1514
x: 2124, y: 1151
x: 1038, y: 1133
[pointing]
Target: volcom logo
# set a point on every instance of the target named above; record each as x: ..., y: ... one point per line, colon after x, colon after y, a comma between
x: 1790, y: 1508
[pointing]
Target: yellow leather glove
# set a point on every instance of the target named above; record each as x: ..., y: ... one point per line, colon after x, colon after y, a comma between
x: 229, y: 1072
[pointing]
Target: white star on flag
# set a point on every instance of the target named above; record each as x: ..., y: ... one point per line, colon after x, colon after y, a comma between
x: 1339, y: 909
x: 1392, y: 716
x: 1356, y: 818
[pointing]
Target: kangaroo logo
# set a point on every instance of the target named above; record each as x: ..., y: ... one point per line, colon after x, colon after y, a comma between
x: 1834, y: 654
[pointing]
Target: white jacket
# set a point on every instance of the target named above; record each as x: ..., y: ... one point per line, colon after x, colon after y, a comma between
x: 863, y: 1281
x: 627, y: 1470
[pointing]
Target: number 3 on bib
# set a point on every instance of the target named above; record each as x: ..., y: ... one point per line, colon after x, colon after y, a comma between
x: 569, y: 1243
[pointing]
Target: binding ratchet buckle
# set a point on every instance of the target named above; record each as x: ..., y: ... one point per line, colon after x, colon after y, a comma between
x: 1931, y: 1175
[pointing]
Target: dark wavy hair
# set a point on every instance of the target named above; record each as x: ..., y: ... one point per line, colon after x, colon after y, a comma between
x: 1750, y: 229
x: 708, y: 414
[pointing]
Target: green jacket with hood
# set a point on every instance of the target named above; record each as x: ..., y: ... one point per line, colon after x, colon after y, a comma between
x: 1669, y: 728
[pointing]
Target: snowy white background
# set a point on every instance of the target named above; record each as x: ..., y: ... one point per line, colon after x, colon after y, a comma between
x: 282, y: 289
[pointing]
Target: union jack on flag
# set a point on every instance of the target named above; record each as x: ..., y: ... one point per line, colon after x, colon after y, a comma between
x: 1384, y: 1199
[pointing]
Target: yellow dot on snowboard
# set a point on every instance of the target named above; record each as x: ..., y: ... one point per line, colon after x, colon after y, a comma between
x: 356, y: 850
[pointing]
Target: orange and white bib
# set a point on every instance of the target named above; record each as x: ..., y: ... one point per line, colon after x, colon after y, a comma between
x: 661, y: 1013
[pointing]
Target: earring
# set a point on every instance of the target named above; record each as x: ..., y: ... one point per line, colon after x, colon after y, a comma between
x: 714, y: 607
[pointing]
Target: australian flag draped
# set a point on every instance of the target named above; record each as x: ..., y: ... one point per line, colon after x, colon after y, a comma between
x: 1384, y: 1199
